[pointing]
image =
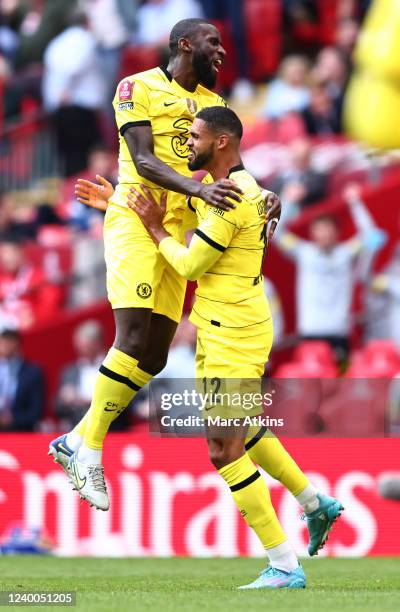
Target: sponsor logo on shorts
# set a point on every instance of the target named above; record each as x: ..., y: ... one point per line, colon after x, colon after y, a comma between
x: 144, y: 290
x: 125, y: 90
x: 126, y: 106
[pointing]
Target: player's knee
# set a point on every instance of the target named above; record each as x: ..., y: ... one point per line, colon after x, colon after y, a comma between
x: 131, y: 344
x: 222, y: 456
x: 154, y: 364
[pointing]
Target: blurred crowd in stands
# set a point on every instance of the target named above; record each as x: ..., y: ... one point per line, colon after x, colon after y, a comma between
x: 290, y: 62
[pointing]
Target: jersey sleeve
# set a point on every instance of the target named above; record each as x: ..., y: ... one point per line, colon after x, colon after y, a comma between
x: 131, y: 105
x: 191, y: 262
x: 218, y: 227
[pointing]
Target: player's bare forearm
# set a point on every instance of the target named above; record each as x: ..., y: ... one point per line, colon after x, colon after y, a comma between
x: 139, y: 140
x: 274, y: 210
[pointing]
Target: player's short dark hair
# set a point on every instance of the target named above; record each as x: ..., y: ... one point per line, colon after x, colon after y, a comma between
x: 186, y: 28
x: 221, y: 119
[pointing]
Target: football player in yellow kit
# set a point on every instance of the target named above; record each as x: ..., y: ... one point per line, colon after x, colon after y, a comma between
x: 154, y: 111
x: 234, y: 339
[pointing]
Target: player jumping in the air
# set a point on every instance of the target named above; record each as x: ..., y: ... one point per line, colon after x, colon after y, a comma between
x: 154, y: 112
x: 234, y: 339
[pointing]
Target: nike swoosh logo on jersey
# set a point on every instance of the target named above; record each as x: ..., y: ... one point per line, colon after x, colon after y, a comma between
x: 170, y: 103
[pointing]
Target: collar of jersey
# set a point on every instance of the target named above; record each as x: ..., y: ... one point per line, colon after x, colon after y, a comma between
x: 175, y: 84
x: 237, y: 168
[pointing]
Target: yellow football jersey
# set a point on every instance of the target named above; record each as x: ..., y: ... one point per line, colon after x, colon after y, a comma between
x: 230, y: 298
x: 154, y: 98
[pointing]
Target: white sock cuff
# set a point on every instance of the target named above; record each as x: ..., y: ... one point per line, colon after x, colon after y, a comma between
x: 89, y: 455
x: 308, y: 499
x: 283, y: 557
x: 74, y: 440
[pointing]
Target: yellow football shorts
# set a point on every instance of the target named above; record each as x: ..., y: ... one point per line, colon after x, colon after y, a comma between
x: 229, y: 370
x: 138, y: 276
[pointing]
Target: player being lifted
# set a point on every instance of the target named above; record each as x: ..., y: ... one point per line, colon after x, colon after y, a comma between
x: 234, y: 338
x: 154, y: 112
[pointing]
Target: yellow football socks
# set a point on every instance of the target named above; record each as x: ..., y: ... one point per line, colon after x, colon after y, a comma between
x: 269, y: 454
x: 113, y: 391
x: 251, y: 495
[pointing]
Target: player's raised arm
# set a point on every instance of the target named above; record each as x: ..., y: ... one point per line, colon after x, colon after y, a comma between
x: 192, y: 262
x: 139, y: 139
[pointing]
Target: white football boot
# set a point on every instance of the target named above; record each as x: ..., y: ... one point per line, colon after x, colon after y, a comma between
x: 89, y: 481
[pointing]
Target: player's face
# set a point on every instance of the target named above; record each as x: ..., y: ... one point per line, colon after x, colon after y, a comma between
x: 202, y: 144
x: 207, y: 55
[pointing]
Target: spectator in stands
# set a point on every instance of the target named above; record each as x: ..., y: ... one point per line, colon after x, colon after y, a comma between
x: 180, y: 362
x: 384, y: 301
x: 11, y: 16
x: 21, y: 386
x: 156, y: 18
x: 299, y: 186
x: 31, y: 27
x: 112, y: 23
x: 44, y: 20
x: 325, y: 274
x: 233, y: 12
x: 347, y: 31
x: 101, y: 161
x: 77, y: 379
x: 74, y: 91
x: 12, y: 228
x: 26, y: 295
x: 320, y: 116
x: 289, y: 91
x: 331, y: 71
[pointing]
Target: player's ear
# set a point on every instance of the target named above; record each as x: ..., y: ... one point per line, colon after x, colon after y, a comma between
x: 223, y: 141
x: 185, y: 45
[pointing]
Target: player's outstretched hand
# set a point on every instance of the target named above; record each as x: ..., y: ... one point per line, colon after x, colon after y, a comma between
x: 217, y: 193
x: 95, y: 195
x: 274, y: 209
x: 146, y: 207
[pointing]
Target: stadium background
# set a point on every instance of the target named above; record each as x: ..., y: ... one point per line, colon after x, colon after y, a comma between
x: 52, y: 272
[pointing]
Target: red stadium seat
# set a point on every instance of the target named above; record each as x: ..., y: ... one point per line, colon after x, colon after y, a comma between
x: 382, y: 350
x: 309, y: 369
x: 315, y: 351
x: 263, y: 20
x: 356, y: 408
x: 378, y: 359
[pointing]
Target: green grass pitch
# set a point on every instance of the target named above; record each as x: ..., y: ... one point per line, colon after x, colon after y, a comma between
x: 204, y: 584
